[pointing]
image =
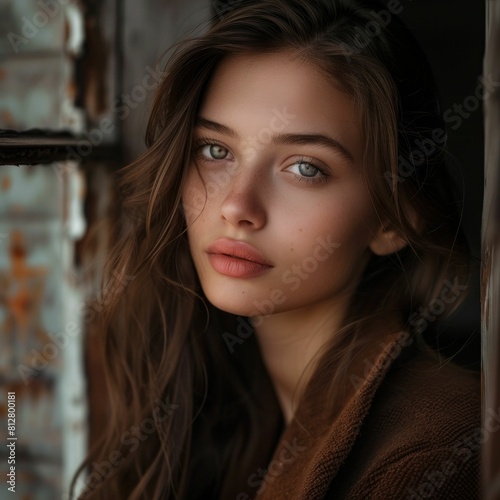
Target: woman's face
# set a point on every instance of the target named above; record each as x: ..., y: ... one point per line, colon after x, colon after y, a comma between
x: 278, y: 214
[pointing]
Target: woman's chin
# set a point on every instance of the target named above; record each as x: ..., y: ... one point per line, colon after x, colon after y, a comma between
x: 232, y: 307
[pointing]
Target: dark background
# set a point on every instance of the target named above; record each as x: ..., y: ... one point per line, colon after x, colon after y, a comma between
x: 452, y: 34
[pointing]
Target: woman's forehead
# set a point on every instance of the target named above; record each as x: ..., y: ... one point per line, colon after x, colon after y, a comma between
x: 250, y: 92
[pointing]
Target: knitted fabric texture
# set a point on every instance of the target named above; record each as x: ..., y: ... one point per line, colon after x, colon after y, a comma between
x: 411, y: 430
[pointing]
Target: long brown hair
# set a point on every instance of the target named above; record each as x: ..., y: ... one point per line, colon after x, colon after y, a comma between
x: 166, y: 361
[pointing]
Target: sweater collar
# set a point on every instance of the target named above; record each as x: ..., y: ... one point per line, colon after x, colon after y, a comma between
x: 316, y: 442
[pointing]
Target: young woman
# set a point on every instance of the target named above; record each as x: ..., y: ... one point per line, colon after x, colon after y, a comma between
x: 291, y: 233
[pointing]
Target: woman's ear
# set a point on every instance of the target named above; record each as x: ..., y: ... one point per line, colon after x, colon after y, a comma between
x: 386, y: 241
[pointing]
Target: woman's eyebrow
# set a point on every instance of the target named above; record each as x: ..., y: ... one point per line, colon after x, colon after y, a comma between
x: 216, y: 127
x: 316, y: 140
x: 313, y: 139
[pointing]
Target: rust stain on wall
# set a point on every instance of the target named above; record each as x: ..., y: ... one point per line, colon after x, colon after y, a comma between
x: 23, y: 287
x: 6, y: 183
x: 6, y: 118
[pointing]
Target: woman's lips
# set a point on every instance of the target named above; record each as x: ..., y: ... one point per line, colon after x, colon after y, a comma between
x: 237, y: 259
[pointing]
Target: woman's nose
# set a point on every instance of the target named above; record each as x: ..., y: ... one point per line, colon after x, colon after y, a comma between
x: 243, y: 204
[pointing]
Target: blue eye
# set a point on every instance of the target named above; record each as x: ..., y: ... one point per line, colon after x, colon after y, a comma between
x: 307, y: 170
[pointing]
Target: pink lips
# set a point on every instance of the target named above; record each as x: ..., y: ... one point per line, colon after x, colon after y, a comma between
x: 237, y: 259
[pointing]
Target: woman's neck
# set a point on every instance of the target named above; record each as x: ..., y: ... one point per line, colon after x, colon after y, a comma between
x: 289, y: 342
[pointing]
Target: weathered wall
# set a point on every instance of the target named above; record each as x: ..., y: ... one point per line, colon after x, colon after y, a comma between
x: 40, y: 220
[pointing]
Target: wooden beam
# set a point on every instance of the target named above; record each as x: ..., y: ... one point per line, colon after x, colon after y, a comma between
x: 491, y: 261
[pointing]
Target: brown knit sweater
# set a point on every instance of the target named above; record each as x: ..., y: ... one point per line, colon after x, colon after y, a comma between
x: 411, y: 430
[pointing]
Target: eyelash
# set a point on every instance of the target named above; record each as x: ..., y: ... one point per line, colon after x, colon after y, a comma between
x: 208, y: 141
x: 311, y: 180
